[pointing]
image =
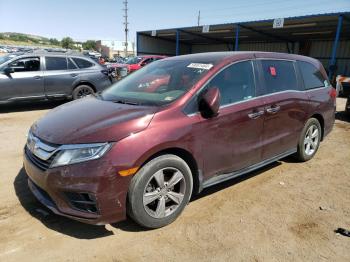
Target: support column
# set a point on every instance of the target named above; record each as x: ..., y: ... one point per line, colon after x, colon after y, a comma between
x: 177, y: 52
x: 237, y: 37
x: 335, y: 47
x: 137, y: 43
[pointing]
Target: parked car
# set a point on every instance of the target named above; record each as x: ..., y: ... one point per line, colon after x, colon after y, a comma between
x: 343, y: 89
x: 135, y: 63
x: 181, y: 124
x: 8, y: 57
x: 50, y: 76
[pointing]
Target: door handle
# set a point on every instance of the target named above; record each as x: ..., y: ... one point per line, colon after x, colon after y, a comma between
x: 273, y: 109
x: 74, y: 75
x: 255, y: 115
x: 37, y: 77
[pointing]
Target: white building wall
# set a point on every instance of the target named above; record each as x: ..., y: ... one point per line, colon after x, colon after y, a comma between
x: 156, y: 46
x: 116, y: 45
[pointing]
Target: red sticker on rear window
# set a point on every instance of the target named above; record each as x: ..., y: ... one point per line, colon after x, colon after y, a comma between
x: 273, y: 71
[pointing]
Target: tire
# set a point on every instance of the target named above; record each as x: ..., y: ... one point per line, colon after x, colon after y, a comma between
x: 151, y: 200
x: 82, y: 91
x: 347, y: 106
x: 309, y: 140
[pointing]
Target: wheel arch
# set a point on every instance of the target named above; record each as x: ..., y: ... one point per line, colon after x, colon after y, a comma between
x: 84, y: 83
x: 320, y: 119
x: 190, y: 161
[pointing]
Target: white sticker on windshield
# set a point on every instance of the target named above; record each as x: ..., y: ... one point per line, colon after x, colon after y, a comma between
x: 200, y: 66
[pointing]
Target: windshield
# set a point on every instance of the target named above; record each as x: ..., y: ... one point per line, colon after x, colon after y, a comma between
x: 159, y: 83
x: 5, y: 58
x: 133, y: 60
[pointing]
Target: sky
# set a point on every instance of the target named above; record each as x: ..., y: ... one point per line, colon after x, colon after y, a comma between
x: 103, y: 19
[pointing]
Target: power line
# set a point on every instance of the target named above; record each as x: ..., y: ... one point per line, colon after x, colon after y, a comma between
x: 271, y: 5
x: 272, y: 10
x: 239, y: 7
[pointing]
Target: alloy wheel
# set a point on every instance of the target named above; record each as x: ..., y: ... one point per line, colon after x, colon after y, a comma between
x: 83, y: 92
x: 311, y: 140
x: 164, y: 192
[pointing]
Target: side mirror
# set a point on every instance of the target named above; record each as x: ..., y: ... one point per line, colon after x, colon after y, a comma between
x: 209, y: 104
x: 8, y: 71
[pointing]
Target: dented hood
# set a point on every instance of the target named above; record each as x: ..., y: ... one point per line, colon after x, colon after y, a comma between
x: 91, y: 120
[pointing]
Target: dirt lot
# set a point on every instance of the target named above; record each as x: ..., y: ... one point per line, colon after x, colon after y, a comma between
x: 272, y: 215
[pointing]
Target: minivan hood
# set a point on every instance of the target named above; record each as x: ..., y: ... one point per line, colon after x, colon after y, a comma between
x: 91, y: 120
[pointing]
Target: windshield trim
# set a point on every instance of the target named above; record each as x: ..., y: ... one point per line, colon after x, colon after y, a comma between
x: 5, y: 59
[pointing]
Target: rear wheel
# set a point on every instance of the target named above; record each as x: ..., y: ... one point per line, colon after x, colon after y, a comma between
x: 159, y: 191
x: 309, y: 140
x: 82, y: 91
x: 347, y: 106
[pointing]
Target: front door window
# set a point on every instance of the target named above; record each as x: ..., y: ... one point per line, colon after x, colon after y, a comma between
x: 236, y: 83
x: 29, y: 64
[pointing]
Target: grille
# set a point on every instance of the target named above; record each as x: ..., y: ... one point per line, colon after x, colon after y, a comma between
x: 41, y: 164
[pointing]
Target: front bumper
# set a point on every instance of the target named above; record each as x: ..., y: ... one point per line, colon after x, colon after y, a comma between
x: 97, y: 178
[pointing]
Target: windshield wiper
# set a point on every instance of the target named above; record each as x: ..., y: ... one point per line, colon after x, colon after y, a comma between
x: 126, y: 102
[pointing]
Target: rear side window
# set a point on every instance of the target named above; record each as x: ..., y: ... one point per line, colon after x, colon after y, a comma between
x: 56, y: 63
x: 82, y: 63
x: 311, y: 75
x: 71, y: 65
x: 279, y: 76
x: 236, y: 83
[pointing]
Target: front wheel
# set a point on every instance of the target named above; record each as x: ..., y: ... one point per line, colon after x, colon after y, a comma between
x: 309, y: 140
x: 159, y: 191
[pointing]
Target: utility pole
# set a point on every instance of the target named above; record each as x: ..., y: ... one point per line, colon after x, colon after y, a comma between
x: 125, y: 2
x: 199, y: 17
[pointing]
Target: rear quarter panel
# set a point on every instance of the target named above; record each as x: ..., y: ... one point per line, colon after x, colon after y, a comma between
x: 321, y: 103
x: 95, y: 77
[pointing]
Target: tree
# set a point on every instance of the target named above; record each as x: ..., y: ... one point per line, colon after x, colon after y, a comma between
x: 89, y: 45
x: 67, y: 43
x: 54, y: 41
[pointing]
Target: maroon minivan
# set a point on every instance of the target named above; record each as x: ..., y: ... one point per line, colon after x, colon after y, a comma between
x: 145, y: 145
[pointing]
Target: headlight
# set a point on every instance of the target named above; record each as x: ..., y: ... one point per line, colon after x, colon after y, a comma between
x: 70, y: 154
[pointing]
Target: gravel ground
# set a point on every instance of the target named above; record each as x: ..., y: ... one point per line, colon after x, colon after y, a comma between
x: 286, y: 211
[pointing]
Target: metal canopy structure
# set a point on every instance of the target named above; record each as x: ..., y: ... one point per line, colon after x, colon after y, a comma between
x: 297, y: 34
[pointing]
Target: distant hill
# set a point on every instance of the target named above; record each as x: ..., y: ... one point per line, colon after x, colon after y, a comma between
x: 13, y: 34
x: 21, y: 39
x: 12, y: 38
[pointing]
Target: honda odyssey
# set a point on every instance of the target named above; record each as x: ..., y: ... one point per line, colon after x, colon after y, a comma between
x: 181, y: 124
